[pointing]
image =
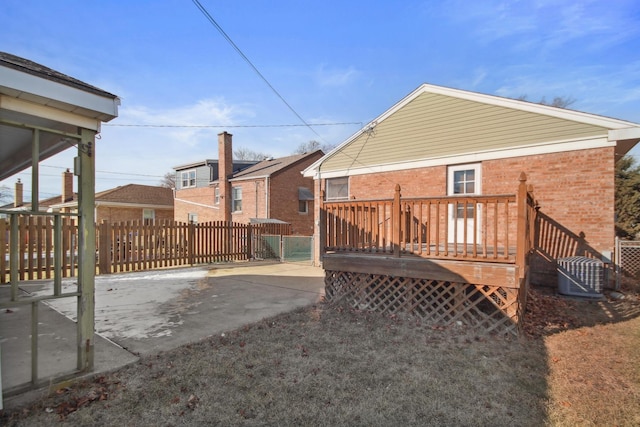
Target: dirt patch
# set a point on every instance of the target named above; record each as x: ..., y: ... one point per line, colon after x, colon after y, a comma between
x: 340, y: 366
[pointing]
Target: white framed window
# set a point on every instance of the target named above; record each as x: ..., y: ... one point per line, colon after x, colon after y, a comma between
x: 337, y: 188
x: 193, y: 218
x: 236, y: 201
x: 464, y: 217
x: 188, y: 179
x: 216, y: 196
x: 148, y: 216
x: 303, y: 206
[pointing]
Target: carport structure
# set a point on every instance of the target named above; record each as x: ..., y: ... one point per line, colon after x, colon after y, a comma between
x: 42, y: 113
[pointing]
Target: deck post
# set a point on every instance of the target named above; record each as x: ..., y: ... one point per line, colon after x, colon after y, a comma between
x: 86, y: 250
x: 521, y: 203
x: 396, y: 222
x: 322, y: 230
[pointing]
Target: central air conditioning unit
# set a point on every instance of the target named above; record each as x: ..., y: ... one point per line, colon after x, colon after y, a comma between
x: 580, y: 276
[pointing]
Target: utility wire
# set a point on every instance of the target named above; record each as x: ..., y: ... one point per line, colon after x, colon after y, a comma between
x: 237, y: 49
x: 231, y: 126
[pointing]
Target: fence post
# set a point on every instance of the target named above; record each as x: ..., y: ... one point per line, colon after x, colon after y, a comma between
x: 396, y: 222
x: 249, y: 241
x: 191, y: 247
x: 105, y: 248
x: 521, y: 205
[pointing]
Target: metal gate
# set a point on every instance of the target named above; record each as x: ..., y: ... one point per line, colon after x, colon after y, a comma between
x: 284, y: 248
x: 627, y: 259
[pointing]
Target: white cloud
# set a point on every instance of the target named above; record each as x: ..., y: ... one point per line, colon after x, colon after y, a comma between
x: 335, y: 77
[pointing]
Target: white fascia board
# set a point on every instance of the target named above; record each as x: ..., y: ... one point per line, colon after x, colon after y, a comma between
x: 624, y: 134
x: 249, y: 178
x: 189, y: 202
x: 555, y: 147
x: 59, y: 93
x: 39, y: 110
x: 114, y: 204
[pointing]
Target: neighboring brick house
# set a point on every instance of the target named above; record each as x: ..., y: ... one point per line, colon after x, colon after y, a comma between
x: 44, y: 205
x: 131, y: 202
x: 244, y: 191
x: 439, y: 141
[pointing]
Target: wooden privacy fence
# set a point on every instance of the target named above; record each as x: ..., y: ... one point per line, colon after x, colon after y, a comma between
x: 495, y: 228
x: 30, y: 243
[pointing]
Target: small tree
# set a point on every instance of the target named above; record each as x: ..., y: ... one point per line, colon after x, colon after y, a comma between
x: 311, y: 146
x: 168, y: 180
x: 5, y: 194
x: 558, y: 101
x: 627, y: 193
x: 246, y: 154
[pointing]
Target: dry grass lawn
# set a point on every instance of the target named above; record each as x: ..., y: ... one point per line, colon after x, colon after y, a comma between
x: 321, y: 365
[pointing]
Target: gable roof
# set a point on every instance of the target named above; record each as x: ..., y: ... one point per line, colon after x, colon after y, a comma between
x: 43, y: 204
x: 269, y: 167
x: 435, y: 125
x: 132, y: 195
x: 237, y: 164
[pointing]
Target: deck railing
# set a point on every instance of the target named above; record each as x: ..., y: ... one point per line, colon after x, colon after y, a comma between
x: 493, y: 228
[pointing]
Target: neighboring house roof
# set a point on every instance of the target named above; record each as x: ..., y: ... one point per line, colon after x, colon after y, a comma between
x: 132, y: 195
x: 435, y: 125
x: 269, y: 167
x: 43, y: 204
x: 237, y: 164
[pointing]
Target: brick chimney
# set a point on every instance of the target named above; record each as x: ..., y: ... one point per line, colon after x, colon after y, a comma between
x: 67, y: 186
x: 17, y: 195
x: 225, y: 170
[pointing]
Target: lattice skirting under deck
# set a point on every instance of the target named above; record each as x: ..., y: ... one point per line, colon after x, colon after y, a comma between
x: 490, y: 308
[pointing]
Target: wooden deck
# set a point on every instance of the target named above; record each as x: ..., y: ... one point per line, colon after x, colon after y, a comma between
x: 443, y: 259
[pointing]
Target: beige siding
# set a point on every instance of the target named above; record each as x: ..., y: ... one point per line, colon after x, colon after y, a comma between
x: 434, y: 125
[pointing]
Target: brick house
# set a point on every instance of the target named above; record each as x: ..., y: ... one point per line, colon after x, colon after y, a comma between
x: 241, y: 191
x: 445, y: 142
x: 131, y: 202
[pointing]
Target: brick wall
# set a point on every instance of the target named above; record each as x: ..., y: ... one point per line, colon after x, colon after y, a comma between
x: 284, y: 199
x: 199, y: 201
x: 575, y: 191
x: 576, y: 194
x: 114, y: 214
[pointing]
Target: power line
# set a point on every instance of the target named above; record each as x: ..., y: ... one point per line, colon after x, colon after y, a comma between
x: 109, y: 172
x: 232, y: 126
x: 237, y: 49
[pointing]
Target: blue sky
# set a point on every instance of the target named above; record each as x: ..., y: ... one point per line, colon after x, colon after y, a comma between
x: 332, y: 61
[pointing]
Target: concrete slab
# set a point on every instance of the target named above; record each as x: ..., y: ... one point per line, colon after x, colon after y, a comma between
x: 152, y: 311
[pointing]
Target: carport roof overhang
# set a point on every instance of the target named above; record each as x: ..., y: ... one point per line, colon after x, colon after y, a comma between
x: 34, y: 97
